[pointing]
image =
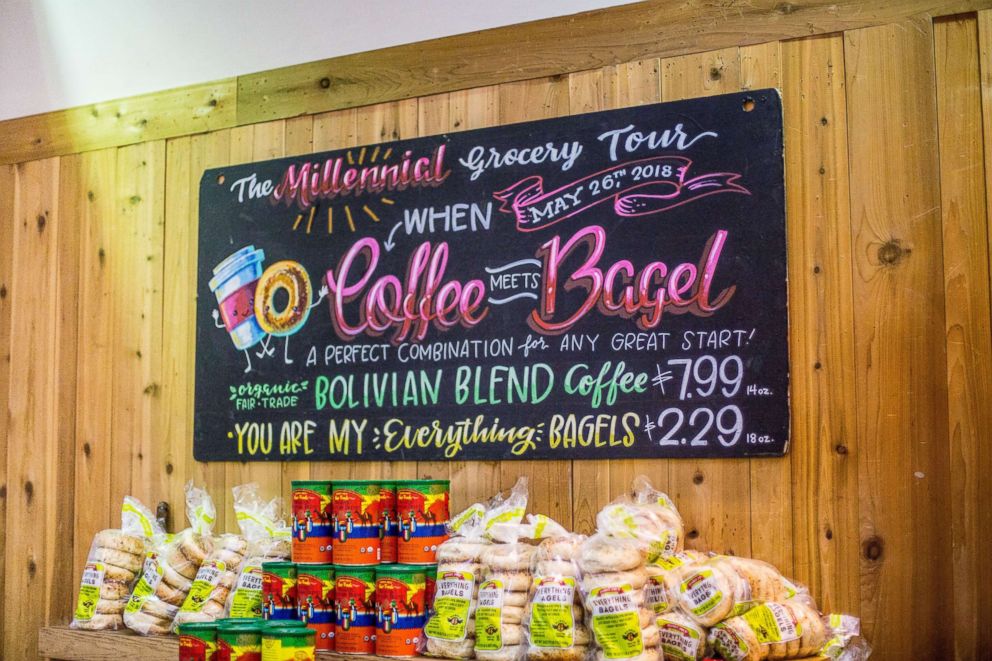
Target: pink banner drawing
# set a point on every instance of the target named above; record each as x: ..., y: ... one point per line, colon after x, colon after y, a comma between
x: 660, y: 185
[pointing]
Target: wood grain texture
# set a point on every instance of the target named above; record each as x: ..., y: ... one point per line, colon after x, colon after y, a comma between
x: 963, y: 208
x: 770, y: 477
x: 182, y: 111
x: 713, y: 495
x: 8, y: 187
x: 824, y: 450
x: 658, y: 28
x: 36, y: 471
x: 900, y: 357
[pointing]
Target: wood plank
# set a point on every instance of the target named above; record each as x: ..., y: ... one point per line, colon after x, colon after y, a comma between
x: 553, y: 47
x: 8, y: 186
x: 72, y: 645
x: 137, y: 239
x: 206, y: 151
x: 899, y: 338
x: 473, y: 481
x: 93, y: 214
x: 550, y: 481
x: 713, y: 495
x: 824, y: 451
x: 33, y: 522
x: 969, y: 333
x: 143, y: 118
x: 771, y: 477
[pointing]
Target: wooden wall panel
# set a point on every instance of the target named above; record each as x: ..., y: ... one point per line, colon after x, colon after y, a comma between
x: 824, y: 451
x: 967, y: 323
x: 712, y: 494
x: 900, y: 358
x: 883, y: 505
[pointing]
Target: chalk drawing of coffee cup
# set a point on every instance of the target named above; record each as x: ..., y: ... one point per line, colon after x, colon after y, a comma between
x: 234, y: 284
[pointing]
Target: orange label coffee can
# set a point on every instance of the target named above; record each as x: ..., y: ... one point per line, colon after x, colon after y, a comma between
x: 423, y: 511
x: 389, y: 528
x: 400, y: 610
x: 312, y: 521
x: 355, y: 522
x: 354, y: 621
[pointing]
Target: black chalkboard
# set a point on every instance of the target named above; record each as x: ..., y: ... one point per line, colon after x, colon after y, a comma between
x: 608, y: 285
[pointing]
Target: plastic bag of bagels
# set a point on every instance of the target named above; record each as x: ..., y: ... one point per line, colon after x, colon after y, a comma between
x: 661, y: 592
x: 451, y: 626
x: 726, y: 586
x: 554, y: 620
x: 680, y: 638
x: 170, y: 568
x: 112, y: 566
x: 787, y: 630
x: 646, y: 515
x: 269, y: 538
x: 207, y: 597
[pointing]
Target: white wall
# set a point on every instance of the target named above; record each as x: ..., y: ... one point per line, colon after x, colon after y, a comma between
x: 61, y: 53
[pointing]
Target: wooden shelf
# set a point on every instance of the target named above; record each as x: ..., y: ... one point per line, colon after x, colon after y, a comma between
x: 67, y: 644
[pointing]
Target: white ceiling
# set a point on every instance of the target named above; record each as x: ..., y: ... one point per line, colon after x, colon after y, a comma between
x: 61, y: 53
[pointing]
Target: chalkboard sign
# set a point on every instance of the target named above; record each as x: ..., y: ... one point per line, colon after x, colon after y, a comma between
x: 607, y: 285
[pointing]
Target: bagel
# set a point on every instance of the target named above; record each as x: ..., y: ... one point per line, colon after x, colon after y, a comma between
x: 120, y: 541
x: 175, y: 579
x: 559, y: 548
x: 115, y: 573
x: 649, y: 636
x: 556, y: 568
x: 508, y: 557
x: 231, y: 559
x: 507, y: 653
x: 114, y: 591
x: 451, y: 649
x: 234, y: 543
x: 460, y: 550
x: 707, y: 592
x: 160, y: 609
x: 108, y: 607
x: 292, y: 278
x: 635, y: 578
x: 195, y: 549
x: 515, y: 599
x: 602, y: 554
x: 101, y: 622
x: 181, y: 564
x: 515, y: 582
x: 556, y: 654
x: 169, y: 594
x: 145, y: 623
x: 122, y: 559
x: 735, y: 641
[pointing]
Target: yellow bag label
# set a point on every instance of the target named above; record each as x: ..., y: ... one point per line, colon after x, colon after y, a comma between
x: 489, y: 617
x: 89, y: 591
x: 552, y: 625
x: 452, y: 604
x: 772, y: 623
x: 615, y: 622
x: 678, y: 641
x: 151, y: 574
x: 701, y: 592
x: 207, y: 578
x: 247, y: 598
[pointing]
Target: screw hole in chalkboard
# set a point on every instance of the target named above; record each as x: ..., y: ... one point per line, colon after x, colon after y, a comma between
x: 748, y: 105
x: 220, y: 179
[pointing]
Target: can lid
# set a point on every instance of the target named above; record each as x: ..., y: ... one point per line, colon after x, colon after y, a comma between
x: 289, y: 632
x: 224, y: 621
x: 446, y: 483
x: 241, y: 627
x: 310, y: 483
x: 356, y: 570
x: 285, y: 624
x: 348, y: 483
x: 387, y: 484
x: 400, y: 569
x: 281, y: 564
x: 197, y: 627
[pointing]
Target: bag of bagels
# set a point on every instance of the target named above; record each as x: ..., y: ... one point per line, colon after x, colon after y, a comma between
x: 661, y: 592
x: 680, y: 638
x: 781, y: 630
x: 451, y: 626
x: 646, y: 515
x: 170, y: 568
x: 269, y: 539
x: 207, y: 597
x: 845, y: 642
x: 112, y: 566
x: 554, y: 620
x: 723, y: 586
